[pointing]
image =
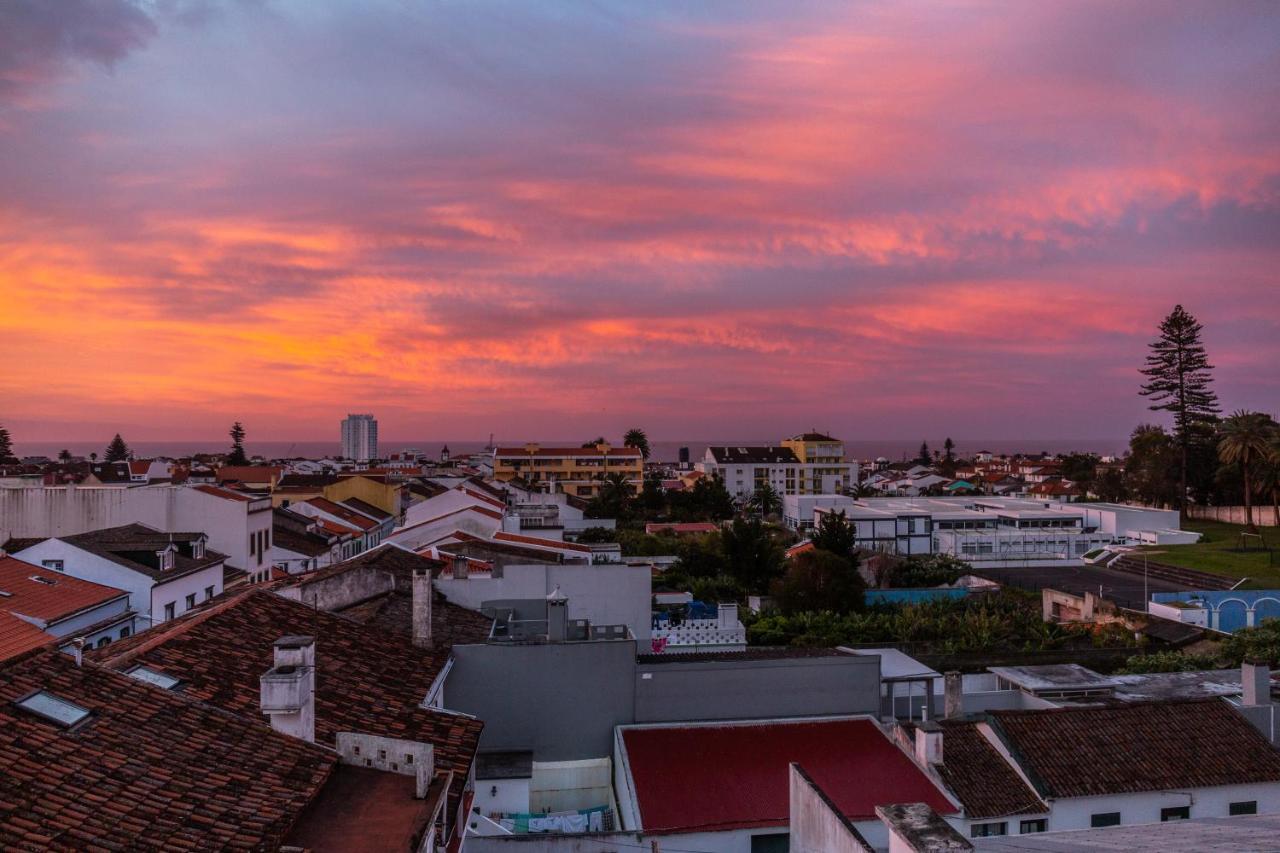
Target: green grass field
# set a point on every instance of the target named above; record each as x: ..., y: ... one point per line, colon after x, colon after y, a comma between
x: 1216, y: 553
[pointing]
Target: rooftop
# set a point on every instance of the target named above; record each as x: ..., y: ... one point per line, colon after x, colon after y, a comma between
x: 711, y: 777
x: 48, y: 595
x: 147, y: 768
x: 135, y: 547
x: 984, y: 782
x: 368, y: 680
x: 1253, y: 832
x: 18, y: 636
x: 1054, y: 677
x: 757, y: 455
x: 368, y: 810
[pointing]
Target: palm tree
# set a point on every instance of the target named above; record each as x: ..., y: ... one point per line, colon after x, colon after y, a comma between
x: 636, y: 438
x: 766, y: 500
x: 1269, y: 477
x: 1245, y: 438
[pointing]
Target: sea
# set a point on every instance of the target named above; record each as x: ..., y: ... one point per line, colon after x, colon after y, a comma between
x: 662, y: 451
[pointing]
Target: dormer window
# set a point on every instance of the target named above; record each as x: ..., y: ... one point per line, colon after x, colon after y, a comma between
x: 197, y: 549
x: 166, y: 559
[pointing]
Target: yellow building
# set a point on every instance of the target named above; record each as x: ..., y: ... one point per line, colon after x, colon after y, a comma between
x: 822, y: 463
x: 572, y: 470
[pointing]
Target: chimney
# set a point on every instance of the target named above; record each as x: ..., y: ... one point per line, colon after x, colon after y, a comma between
x: 557, y: 616
x: 1255, y: 678
x: 952, y: 695
x: 461, y: 567
x: 928, y: 743
x: 422, y: 593
x: 288, y: 689
x: 77, y: 650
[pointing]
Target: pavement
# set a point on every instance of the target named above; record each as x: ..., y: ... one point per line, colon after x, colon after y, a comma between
x: 1121, y: 587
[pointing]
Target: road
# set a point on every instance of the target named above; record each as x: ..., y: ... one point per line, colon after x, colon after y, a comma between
x: 1123, y: 588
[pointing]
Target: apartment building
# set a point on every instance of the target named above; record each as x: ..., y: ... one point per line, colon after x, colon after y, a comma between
x: 360, y: 438
x: 571, y: 470
x: 808, y: 464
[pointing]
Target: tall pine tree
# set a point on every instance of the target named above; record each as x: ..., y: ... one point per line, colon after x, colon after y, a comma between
x: 236, y: 456
x: 6, y: 445
x: 1178, y: 381
x: 117, y: 450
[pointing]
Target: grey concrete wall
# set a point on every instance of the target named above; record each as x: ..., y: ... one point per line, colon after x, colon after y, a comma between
x: 787, y: 687
x: 560, y: 700
x: 343, y: 589
x: 609, y: 842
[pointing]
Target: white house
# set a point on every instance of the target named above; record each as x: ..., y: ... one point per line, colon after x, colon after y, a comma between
x: 165, y: 574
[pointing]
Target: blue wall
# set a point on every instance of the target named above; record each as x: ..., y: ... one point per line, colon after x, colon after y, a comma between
x: 912, y: 596
x: 1232, y: 605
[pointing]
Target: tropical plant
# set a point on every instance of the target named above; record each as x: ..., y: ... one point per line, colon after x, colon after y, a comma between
x: 595, y: 441
x: 752, y: 554
x: 1259, y: 643
x: 117, y: 450
x: 927, y: 571
x: 1244, y: 439
x: 1178, y: 381
x: 636, y: 438
x: 64, y: 455
x: 1150, y: 466
x: 1167, y: 662
x: 766, y: 500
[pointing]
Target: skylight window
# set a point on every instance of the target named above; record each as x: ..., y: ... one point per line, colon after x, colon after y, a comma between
x: 50, y: 707
x: 43, y: 580
x: 154, y: 677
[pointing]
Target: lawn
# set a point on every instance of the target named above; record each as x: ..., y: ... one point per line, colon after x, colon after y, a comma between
x: 1216, y: 552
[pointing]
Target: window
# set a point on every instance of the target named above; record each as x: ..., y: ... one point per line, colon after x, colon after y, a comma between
x: 774, y: 842
x: 168, y: 610
x: 191, y: 601
x: 1246, y: 807
x: 153, y: 676
x: 986, y: 830
x: 208, y: 593
x: 124, y: 632
x: 1175, y: 813
x: 253, y: 544
x: 52, y: 708
x: 1104, y: 819
x: 56, y: 565
x: 102, y: 641
x: 1029, y: 826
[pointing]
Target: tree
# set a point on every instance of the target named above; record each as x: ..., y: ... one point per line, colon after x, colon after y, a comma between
x: 766, y: 500
x: 1110, y: 486
x: 834, y: 533
x: 64, y: 455
x: 117, y: 450
x: 613, y: 497
x: 636, y: 438
x: 593, y: 442
x: 1178, y: 381
x: 923, y: 456
x: 1244, y: 439
x: 753, y: 556
x: 1151, y: 466
x: 653, y: 497
x: 6, y: 445
x: 948, y: 466
x: 236, y: 456
x: 818, y: 581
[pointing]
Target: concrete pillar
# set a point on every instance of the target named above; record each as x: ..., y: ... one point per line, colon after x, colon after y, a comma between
x: 952, y: 695
x: 422, y: 594
x: 1255, y: 678
x: 1248, y: 617
x: 1213, y: 618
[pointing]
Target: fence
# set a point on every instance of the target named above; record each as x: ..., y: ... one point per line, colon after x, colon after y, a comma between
x: 1263, y: 515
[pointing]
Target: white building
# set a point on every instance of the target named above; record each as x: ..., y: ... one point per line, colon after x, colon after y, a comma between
x: 238, y: 525
x: 746, y: 469
x: 360, y: 438
x: 990, y: 531
x: 164, y: 573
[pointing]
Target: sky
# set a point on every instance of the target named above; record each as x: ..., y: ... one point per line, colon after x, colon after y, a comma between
x: 545, y: 219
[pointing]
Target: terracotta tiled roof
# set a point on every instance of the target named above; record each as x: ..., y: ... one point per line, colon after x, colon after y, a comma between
x: 368, y: 509
x: 986, y: 785
x: 348, y: 515
x: 1076, y: 752
x: 553, y: 544
x: 450, y: 623
x: 148, y: 769
x: 225, y: 494
x: 52, y: 597
x: 18, y: 636
x: 368, y: 680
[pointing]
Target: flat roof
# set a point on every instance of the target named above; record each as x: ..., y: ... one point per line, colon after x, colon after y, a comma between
x: 1058, y: 676
x: 1252, y: 832
x: 896, y: 665
x: 713, y: 777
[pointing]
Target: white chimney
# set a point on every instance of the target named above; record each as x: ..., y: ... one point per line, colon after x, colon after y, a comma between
x: 928, y: 742
x: 422, y: 592
x: 1255, y: 678
x: 557, y: 616
x: 288, y: 689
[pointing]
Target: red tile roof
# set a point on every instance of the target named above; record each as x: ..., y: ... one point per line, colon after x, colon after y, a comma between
x: 348, y: 515
x: 705, y: 778
x: 18, y: 636
x: 1071, y: 752
x: 225, y: 494
x: 984, y: 782
x: 554, y: 544
x: 367, y: 680
x: 366, y: 809
x: 148, y: 769
x: 53, y: 597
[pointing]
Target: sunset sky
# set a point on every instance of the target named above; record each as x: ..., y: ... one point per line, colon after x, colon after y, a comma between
x: 544, y: 220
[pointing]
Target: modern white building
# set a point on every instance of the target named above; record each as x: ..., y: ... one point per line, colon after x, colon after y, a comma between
x: 360, y: 438
x: 800, y: 466
x: 989, y: 531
